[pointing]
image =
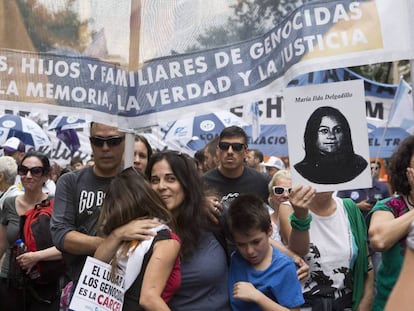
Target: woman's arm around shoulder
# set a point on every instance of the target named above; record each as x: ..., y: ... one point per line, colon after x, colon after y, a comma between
x: 138, y: 229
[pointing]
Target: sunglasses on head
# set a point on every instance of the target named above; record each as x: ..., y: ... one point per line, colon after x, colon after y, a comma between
x: 235, y: 146
x: 35, y: 171
x: 111, y: 141
x: 280, y: 190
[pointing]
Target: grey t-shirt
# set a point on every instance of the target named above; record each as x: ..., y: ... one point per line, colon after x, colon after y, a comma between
x: 78, y: 200
x: 204, y: 278
x: 11, y: 220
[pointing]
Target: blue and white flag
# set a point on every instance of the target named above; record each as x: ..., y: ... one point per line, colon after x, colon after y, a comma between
x: 254, y: 113
x: 402, y: 111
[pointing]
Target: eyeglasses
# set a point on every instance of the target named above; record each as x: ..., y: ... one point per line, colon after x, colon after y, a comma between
x: 280, y: 190
x: 235, y: 146
x: 35, y: 171
x: 111, y: 141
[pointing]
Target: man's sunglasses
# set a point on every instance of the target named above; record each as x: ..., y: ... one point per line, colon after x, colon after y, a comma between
x: 235, y: 146
x: 35, y: 171
x: 111, y: 141
x: 280, y: 190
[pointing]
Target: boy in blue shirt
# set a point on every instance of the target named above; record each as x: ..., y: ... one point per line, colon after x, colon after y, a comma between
x: 260, y: 276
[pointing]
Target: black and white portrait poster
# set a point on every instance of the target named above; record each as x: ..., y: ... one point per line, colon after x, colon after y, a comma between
x: 327, y: 135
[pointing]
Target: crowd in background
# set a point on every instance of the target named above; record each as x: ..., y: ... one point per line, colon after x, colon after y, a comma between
x: 221, y: 230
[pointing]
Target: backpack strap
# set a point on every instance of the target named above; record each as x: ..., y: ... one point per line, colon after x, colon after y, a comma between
x: 45, y: 203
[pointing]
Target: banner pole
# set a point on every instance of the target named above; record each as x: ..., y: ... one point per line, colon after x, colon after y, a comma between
x: 134, y: 31
x: 412, y: 77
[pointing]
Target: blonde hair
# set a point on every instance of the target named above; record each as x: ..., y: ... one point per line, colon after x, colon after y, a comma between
x: 281, y: 174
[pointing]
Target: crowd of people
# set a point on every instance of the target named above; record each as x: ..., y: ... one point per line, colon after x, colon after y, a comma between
x: 222, y: 230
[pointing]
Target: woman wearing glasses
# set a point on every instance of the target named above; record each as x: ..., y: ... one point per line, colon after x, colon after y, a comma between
x: 279, y: 188
x: 33, y: 171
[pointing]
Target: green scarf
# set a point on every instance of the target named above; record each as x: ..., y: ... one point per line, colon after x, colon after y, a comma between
x: 360, y: 268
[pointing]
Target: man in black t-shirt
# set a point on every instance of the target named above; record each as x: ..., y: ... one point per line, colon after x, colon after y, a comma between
x: 232, y: 176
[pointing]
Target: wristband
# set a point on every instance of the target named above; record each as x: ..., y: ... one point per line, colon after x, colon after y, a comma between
x: 299, y: 223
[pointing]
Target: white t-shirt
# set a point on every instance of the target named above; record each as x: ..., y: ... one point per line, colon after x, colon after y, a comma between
x: 331, y: 254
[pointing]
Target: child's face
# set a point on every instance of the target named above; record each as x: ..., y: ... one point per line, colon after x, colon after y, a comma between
x: 254, y: 245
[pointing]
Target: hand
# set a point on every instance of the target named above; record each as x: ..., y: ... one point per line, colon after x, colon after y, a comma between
x: 300, y: 197
x: 245, y: 291
x: 138, y: 229
x: 215, y: 208
x: 364, y: 205
x: 303, y: 268
x: 27, y: 260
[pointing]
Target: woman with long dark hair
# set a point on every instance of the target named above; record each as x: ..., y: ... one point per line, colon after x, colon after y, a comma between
x: 152, y: 273
x: 329, y: 152
x: 203, y: 256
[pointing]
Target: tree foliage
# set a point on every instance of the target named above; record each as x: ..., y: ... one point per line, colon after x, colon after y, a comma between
x: 383, y: 72
x: 250, y: 19
x: 52, y: 28
x: 254, y: 17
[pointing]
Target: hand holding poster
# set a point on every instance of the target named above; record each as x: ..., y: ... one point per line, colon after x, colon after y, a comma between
x: 95, y: 290
x: 331, y: 152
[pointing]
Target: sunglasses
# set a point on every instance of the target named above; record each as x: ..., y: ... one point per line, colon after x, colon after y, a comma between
x: 280, y: 190
x: 235, y: 146
x: 35, y: 171
x: 111, y: 141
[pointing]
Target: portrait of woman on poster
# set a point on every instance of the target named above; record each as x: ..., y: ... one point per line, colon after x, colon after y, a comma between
x: 329, y: 152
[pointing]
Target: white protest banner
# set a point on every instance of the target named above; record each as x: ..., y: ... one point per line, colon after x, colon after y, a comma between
x: 328, y: 139
x: 95, y: 290
x: 318, y: 35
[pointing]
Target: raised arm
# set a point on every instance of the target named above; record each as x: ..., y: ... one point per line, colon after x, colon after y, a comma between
x: 300, y: 198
